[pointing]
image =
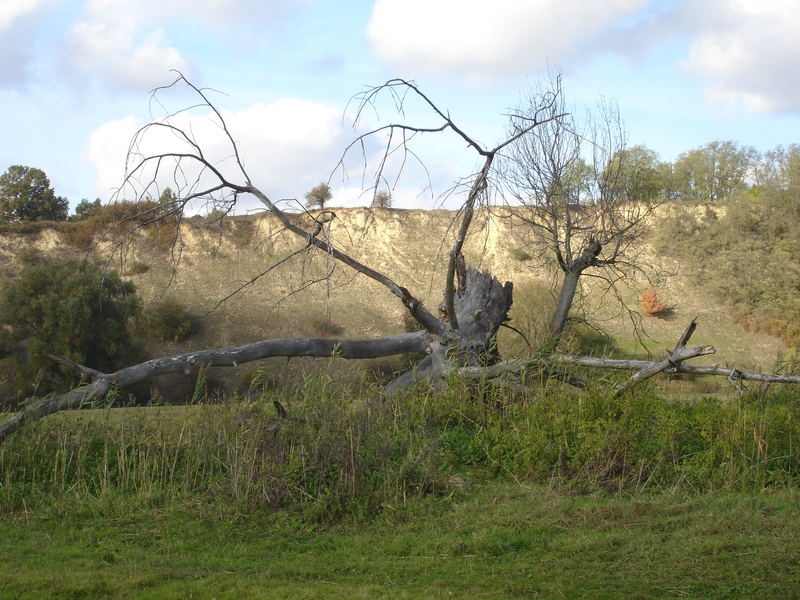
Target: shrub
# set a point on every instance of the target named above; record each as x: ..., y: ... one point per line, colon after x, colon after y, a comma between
x: 167, y: 321
x: 649, y: 304
x: 324, y: 327
x: 137, y: 268
x: 75, y: 309
x: 521, y: 255
x: 29, y: 255
x: 318, y: 196
x: 81, y: 235
x: 382, y: 199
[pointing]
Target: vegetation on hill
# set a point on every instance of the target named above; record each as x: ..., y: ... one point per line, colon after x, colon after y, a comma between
x: 746, y: 249
x: 26, y: 195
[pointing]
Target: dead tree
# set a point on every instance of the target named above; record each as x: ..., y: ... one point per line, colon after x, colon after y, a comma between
x: 566, y: 181
x: 474, y: 306
x: 461, y: 339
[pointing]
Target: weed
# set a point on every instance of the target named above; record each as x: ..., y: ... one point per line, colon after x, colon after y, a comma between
x: 344, y: 451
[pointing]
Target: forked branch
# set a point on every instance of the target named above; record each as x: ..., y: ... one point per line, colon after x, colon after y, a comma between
x: 645, y: 369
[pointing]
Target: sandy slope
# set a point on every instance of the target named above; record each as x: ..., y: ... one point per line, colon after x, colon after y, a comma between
x: 211, y: 262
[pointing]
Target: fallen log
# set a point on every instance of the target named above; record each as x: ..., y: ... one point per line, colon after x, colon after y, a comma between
x: 645, y: 369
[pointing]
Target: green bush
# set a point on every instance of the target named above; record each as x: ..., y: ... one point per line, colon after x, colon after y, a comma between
x: 341, y: 453
x: 521, y: 255
x: 75, y: 309
x: 167, y: 321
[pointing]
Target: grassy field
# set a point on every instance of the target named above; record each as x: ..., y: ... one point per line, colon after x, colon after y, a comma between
x: 469, y: 494
x: 496, y: 541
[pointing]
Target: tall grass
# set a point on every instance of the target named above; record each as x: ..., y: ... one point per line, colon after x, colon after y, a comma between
x: 347, y: 451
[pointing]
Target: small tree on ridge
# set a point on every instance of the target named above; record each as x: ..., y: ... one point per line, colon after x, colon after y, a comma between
x: 318, y: 196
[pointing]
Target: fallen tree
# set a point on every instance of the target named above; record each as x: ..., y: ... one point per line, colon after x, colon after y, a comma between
x: 461, y: 339
x: 99, y: 384
x: 645, y: 369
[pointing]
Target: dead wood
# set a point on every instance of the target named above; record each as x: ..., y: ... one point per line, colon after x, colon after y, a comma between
x: 101, y: 383
x: 645, y: 369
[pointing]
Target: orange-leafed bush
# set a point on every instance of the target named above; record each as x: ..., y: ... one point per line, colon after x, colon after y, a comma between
x: 649, y: 304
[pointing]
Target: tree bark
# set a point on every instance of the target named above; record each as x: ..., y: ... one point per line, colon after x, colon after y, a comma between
x: 568, y: 288
x: 101, y: 383
x: 673, y: 363
x: 480, y: 306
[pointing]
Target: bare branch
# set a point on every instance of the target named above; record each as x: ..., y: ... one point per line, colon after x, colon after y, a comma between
x: 101, y: 383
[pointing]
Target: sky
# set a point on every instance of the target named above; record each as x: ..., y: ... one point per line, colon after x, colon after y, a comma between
x: 76, y: 78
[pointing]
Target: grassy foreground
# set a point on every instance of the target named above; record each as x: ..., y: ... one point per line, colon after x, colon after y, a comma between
x: 500, y: 541
x: 470, y: 494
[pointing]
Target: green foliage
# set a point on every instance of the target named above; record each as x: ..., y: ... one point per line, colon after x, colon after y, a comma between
x: 318, y: 196
x: 72, y: 308
x: 26, y: 195
x: 712, y: 173
x: 167, y: 320
x: 168, y: 197
x: 521, y: 255
x: 638, y: 175
x: 747, y: 256
x: 340, y: 454
x: 85, y: 209
x: 382, y: 199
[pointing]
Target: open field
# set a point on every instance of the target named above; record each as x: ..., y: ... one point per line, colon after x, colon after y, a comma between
x: 462, y: 495
x: 497, y: 541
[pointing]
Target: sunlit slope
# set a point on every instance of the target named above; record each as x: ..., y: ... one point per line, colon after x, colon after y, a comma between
x: 309, y: 293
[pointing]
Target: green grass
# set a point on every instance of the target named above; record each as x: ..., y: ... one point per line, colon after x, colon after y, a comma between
x: 496, y: 541
x: 472, y: 493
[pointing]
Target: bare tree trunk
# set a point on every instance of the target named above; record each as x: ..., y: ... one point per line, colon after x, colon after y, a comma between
x: 568, y: 288
x: 481, y: 306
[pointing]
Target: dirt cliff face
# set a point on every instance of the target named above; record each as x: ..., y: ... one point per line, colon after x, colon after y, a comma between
x: 311, y: 294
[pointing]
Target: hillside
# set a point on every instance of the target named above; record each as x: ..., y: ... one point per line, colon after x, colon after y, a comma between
x: 211, y: 261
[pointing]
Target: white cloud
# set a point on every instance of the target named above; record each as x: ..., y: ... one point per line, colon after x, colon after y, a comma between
x: 11, y: 10
x: 123, y: 42
x: 482, y: 40
x: 751, y: 55
x: 287, y: 146
x: 114, y: 52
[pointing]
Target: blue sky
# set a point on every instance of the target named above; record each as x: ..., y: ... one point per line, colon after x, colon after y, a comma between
x: 75, y: 76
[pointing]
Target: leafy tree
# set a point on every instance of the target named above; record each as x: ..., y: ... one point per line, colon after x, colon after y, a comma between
x: 318, y: 196
x: 714, y: 172
x: 779, y: 169
x: 382, y: 199
x: 85, y: 209
x: 167, y: 196
x: 72, y: 308
x: 26, y: 195
x: 641, y: 177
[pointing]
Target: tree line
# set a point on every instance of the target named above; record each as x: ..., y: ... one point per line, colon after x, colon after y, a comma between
x: 713, y: 173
